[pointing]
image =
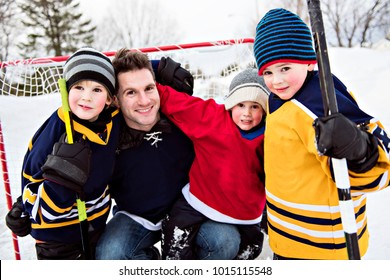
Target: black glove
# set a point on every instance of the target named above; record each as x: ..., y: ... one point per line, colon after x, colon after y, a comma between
x: 338, y: 137
x: 68, y: 164
x: 17, y: 221
x: 170, y: 73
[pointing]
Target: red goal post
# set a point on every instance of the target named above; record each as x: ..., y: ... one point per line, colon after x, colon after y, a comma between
x: 29, y: 93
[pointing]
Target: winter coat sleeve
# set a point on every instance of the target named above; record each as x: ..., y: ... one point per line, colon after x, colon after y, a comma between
x: 311, y: 107
x: 193, y: 115
x: 38, y: 194
x: 377, y: 177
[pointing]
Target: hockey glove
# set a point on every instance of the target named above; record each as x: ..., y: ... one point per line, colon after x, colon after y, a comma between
x: 170, y: 73
x: 17, y: 221
x: 338, y: 137
x: 68, y: 164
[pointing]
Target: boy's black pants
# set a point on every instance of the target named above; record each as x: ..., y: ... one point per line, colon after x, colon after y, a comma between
x: 181, y: 226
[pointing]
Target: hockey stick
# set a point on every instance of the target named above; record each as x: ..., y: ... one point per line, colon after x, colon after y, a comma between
x: 340, y: 168
x: 82, y: 212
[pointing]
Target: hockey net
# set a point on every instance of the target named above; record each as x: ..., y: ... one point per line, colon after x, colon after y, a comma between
x: 29, y: 93
x: 211, y: 64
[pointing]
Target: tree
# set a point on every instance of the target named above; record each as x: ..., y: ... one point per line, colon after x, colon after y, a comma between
x: 54, y: 27
x: 298, y: 7
x: 357, y: 22
x: 8, y: 10
x: 136, y: 24
x: 347, y: 23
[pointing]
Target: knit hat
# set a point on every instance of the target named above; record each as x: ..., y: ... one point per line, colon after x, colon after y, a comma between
x: 247, y: 86
x: 90, y: 64
x: 282, y: 36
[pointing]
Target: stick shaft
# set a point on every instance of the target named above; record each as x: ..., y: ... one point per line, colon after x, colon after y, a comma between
x: 340, y: 168
x: 81, y: 207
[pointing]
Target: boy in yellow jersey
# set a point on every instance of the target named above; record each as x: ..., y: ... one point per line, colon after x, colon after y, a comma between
x: 302, y: 201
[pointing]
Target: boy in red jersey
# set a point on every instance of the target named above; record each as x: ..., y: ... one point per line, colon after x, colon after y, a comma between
x: 227, y: 176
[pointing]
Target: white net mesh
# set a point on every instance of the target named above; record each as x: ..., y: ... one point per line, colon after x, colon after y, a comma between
x: 212, y: 64
x: 30, y: 79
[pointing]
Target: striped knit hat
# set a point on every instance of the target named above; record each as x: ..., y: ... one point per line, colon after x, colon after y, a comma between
x: 282, y: 36
x: 247, y: 86
x: 90, y: 64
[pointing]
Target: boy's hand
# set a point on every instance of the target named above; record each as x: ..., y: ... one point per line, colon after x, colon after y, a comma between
x: 68, y: 165
x: 338, y: 137
x: 171, y: 74
x: 16, y: 221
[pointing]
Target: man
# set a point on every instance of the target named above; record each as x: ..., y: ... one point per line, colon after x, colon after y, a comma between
x: 153, y: 161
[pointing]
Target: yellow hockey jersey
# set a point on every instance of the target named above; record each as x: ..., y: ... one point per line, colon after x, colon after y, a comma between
x: 302, y: 200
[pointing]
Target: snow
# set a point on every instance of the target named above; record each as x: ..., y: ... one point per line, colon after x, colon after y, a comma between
x: 365, y: 71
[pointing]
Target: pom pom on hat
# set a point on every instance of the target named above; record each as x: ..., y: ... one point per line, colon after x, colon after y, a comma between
x: 282, y: 36
x: 90, y: 64
x: 247, y: 86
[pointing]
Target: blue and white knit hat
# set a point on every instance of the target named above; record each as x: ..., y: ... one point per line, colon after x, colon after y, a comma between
x: 90, y: 64
x: 282, y: 36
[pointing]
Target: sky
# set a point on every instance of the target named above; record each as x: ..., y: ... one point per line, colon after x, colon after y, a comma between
x: 200, y: 19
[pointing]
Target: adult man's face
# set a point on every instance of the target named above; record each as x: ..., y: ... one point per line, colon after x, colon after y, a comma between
x: 138, y: 99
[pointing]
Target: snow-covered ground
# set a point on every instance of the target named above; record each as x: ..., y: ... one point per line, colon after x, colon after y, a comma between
x: 366, y: 72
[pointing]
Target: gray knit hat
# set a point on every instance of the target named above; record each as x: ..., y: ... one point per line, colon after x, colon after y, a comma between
x: 247, y: 86
x: 90, y: 64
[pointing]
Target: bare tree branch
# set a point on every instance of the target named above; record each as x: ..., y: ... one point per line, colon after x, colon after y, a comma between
x: 356, y: 22
x: 8, y: 11
x: 133, y: 25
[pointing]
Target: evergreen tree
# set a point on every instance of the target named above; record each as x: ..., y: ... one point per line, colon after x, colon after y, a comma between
x: 54, y: 28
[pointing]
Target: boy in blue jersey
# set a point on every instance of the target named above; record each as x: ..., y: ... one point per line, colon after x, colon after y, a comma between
x: 55, y: 171
x: 302, y: 201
